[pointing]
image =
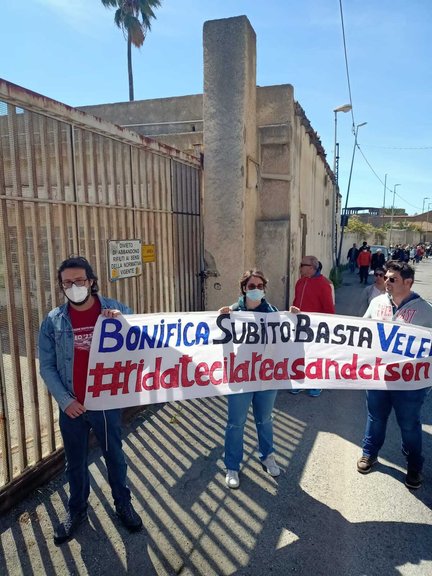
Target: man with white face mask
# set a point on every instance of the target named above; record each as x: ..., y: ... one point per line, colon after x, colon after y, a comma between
x: 64, y: 347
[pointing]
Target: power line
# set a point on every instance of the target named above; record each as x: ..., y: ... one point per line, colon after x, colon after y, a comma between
x: 400, y: 147
x: 387, y: 188
x: 353, y: 121
x: 346, y: 64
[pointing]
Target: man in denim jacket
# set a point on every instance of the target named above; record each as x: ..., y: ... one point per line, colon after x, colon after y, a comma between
x: 64, y: 346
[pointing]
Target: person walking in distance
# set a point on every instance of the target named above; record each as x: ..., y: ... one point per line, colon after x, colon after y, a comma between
x: 398, y: 304
x: 364, y: 261
x: 377, y: 260
x: 253, y: 285
x: 313, y: 293
x: 373, y: 290
x: 64, y: 346
x: 352, y: 257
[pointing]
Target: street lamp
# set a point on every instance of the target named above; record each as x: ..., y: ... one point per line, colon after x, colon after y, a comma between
x: 426, y: 198
x: 344, y: 108
x: 385, y: 188
x: 427, y: 222
x: 392, y: 213
x: 344, y: 215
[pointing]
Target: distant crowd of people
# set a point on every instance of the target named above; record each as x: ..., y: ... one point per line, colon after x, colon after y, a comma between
x: 365, y: 260
x: 410, y: 253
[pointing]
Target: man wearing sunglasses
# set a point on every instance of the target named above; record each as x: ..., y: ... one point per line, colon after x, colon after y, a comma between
x: 398, y: 304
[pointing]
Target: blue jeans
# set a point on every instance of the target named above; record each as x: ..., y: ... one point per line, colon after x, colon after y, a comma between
x: 352, y: 265
x: 407, y: 405
x: 238, y: 407
x: 106, y: 426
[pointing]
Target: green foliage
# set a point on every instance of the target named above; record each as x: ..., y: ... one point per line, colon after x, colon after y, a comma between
x: 335, y: 275
x: 405, y: 225
x: 358, y: 227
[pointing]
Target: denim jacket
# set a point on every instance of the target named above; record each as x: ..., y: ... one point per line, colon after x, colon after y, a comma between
x: 56, y: 350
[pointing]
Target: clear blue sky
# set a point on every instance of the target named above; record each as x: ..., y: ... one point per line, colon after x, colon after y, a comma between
x: 70, y: 50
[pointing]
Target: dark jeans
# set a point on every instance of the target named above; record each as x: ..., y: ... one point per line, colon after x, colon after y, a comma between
x: 364, y: 273
x: 407, y: 405
x: 106, y: 426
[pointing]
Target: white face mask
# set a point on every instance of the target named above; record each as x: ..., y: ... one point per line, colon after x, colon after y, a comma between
x: 255, y: 295
x: 77, y: 294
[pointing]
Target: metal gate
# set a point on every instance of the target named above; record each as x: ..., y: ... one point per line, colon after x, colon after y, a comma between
x: 69, y: 183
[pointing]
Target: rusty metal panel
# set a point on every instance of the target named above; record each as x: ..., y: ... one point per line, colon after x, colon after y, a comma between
x: 68, y: 184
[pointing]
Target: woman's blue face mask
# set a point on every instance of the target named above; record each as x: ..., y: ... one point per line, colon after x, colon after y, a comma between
x: 255, y: 295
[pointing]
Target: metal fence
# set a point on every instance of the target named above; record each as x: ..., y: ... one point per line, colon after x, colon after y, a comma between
x: 68, y: 184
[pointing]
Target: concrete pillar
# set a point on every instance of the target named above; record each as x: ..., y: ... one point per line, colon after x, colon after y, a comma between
x: 230, y: 155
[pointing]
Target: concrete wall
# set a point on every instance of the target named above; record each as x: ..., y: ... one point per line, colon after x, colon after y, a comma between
x: 176, y: 121
x: 268, y: 191
x: 230, y: 147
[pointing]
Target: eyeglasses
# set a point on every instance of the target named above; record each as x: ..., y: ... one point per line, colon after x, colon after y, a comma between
x: 78, y: 283
x: 255, y: 286
x: 304, y: 264
x: 392, y: 280
x: 379, y: 274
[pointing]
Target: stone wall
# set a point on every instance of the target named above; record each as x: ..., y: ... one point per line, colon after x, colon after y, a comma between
x: 268, y: 194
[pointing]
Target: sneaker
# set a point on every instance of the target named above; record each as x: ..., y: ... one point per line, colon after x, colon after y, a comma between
x: 295, y: 390
x: 232, y: 479
x: 314, y: 392
x: 67, y: 529
x: 413, y: 479
x: 128, y: 517
x: 270, y: 466
x: 365, y: 463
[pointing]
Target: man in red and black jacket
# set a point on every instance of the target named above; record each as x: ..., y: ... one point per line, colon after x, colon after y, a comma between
x: 313, y: 293
x: 363, y: 262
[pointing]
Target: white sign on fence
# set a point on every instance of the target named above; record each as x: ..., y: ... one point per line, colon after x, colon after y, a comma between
x: 124, y: 259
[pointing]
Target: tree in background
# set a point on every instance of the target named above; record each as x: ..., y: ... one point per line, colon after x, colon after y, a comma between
x: 133, y: 17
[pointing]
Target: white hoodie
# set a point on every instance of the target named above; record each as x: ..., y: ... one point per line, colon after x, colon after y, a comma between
x: 414, y: 310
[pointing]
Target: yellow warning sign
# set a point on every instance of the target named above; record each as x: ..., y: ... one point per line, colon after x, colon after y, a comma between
x: 148, y: 252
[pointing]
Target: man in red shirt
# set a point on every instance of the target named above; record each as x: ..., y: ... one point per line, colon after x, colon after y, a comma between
x: 363, y: 262
x: 313, y: 293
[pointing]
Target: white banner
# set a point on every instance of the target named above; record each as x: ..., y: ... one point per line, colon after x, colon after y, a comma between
x: 147, y: 359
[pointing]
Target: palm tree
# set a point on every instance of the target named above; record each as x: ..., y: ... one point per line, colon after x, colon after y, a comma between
x: 133, y: 17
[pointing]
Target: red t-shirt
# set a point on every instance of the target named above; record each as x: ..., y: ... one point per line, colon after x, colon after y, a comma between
x: 83, y: 323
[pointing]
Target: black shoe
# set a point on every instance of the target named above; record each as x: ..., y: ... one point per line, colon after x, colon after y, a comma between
x: 129, y: 518
x: 413, y: 479
x: 66, y: 529
x: 365, y: 463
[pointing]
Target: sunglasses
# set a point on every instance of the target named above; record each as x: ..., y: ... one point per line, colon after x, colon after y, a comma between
x: 392, y: 280
x: 255, y: 286
x: 378, y: 274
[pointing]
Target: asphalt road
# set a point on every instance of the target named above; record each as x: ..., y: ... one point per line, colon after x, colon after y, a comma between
x: 320, y: 517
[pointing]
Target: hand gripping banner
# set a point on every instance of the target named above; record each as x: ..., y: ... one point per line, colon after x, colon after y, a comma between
x: 147, y: 359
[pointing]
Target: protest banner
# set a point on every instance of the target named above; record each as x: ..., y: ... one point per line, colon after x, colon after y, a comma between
x: 146, y: 359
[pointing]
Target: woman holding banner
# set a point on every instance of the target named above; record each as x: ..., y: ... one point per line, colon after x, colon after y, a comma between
x: 252, y: 289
